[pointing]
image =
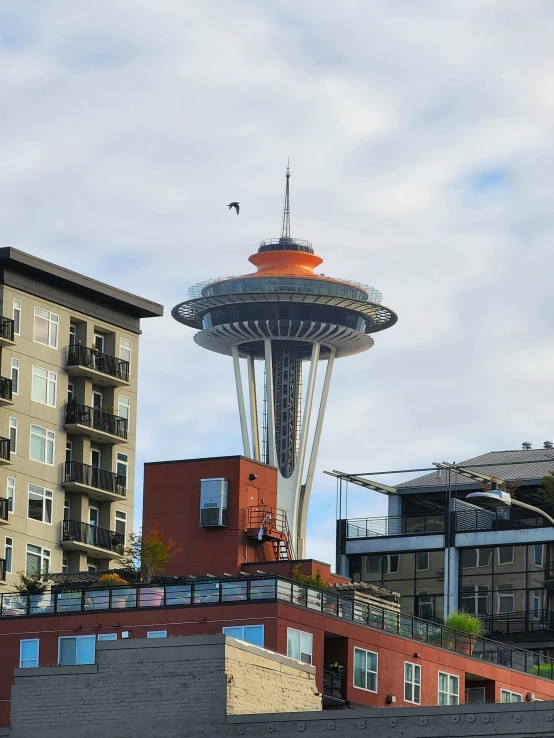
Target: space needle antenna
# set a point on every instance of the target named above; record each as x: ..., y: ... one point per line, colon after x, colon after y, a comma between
x: 285, y: 230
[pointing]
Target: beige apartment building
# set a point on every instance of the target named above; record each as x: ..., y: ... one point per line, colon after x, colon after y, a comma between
x: 68, y: 405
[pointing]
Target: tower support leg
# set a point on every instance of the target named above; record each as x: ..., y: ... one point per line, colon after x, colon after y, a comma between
x: 254, y: 426
x: 240, y: 398
x: 269, y: 402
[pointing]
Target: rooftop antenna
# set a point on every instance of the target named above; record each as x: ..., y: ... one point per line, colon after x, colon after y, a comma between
x: 285, y: 230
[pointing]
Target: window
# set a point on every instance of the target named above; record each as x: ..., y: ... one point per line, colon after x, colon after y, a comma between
x: 422, y: 560
x: 505, y: 555
x: 11, y: 493
x: 373, y: 564
x: 44, y: 386
x: 46, y: 327
x: 75, y: 650
x: 70, y: 392
x: 107, y: 636
x: 8, y: 554
x: 537, y: 554
x: 507, y: 696
x: 15, y: 376
x: 42, y: 445
x: 365, y: 670
x: 299, y: 645
x: 67, y: 508
x: 122, y: 465
x: 124, y: 407
x: 72, y: 334
x: 38, y: 561
x: 13, y: 435
x: 28, y: 653
x: 449, y: 689
x: 68, y: 451
x: 425, y: 605
x: 120, y: 522
x: 393, y: 563
x: 412, y: 683
x: 538, y: 597
x: 65, y: 565
x: 157, y: 634
x: 16, y: 316
x: 505, y: 594
x: 476, y: 557
x: 475, y: 599
x: 125, y: 347
x: 249, y: 633
x: 40, y: 504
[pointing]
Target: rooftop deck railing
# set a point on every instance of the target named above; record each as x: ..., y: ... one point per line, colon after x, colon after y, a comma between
x: 532, y: 621
x: 272, y: 588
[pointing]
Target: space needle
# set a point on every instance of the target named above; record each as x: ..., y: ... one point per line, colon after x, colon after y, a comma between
x: 286, y: 316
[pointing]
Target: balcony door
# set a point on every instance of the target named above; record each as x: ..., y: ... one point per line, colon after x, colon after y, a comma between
x: 96, y: 464
x: 93, y: 519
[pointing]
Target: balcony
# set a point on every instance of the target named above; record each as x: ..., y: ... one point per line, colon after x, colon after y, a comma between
x: 103, y: 369
x: 408, y: 525
x: 333, y: 689
x: 99, y: 425
x: 5, y: 391
x: 4, y: 451
x: 7, y: 333
x: 99, y: 484
x: 538, y: 622
x: 3, y: 510
x: 91, y: 539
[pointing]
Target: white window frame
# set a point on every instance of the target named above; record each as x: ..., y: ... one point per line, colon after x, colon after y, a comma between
x: 13, y: 426
x: 156, y: 634
x: 15, y: 372
x: 47, y: 496
x: 8, y: 546
x: 478, y: 552
x: 379, y: 557
x: 77, y: 639
x: 49, y: 438
x: 430, y: 602
x: 35, y: 659
x: 367, y: 671
x: 65, y: 565
x: 537, y: 597
x: 125, y: 463
x: 414, y: 683
x: 121, y: 519
x: 477, y: 595
x: 390, y: 557
x: 508, y: 693
x: 127, y: 405
x: 51, y: 379
x: 126, y: 348
x: 107, y: 636
x: 448, y: 692
x: 53, y: 319
x: 505, y: 548
x: 540, y: 547
x: 503, y: 591
x: 417, y: 555
x: 17, y: 309
x: 297, y: 652
x: 245, y: 629
x: 71, y: 391
x: 10, y: 494
x: 44, y: 555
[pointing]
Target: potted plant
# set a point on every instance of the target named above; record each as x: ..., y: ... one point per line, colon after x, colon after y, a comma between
x: 469, y: 628
x: 119, y: 598
x: 33, y: 587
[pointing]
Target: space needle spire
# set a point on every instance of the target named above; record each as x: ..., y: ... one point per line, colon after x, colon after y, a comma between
x: 285, y: 229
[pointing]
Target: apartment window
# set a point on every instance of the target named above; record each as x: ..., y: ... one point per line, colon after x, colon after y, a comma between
x: 156, y: 634
x: 449, y: 689
x: 46, y: 327
x: 40, y: 504
x: 505, y: 555
x: 16, y: 316
x: 15, y: 376
x: 38, y: 561
x: 72, y: 334
x: 68, y: 451
x: 8, y: 554
x: 125, y: 348
x: 42, y: 445
x: 122, y: 465
x: 507, y: 696
x: 124, y: 407
x: 300, y: 645
x: 65, y: 565
x: 44, y: 386
x: 422, y: 560
x: 537, y: 554
x: 13, y: 435
x: 365, y: 670
x: 506, y: 596
x: 538, y: 596
x: 66, y: 508
x: 28, y: 653
x: 73, y: 650
x: 425, y: 606
x: 476, y: 557
x: 10, y: 486
x: 393, y: 563
x: 373, y: 564
x: 107, y: 636
x: 249, y: 633
x: 70, y: 392
x: 475, y: 599
x: 412, y: 683
x: 120, y: 522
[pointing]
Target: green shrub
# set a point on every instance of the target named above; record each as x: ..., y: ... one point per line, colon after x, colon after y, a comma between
x: 543, y: 670
x: 466, y: 622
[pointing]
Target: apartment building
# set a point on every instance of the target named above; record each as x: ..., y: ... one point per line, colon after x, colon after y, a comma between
x: 68, y: 397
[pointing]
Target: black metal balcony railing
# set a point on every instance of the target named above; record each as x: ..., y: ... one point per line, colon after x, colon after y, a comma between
x: 94, y: 417
x: 78, y: 355
x: 531, y: 621
x: 7, y: 328
x: 401, y: 525
x: 5, y: 388
x: 92, y: 535
x: 273, y: 588
x: 333, y: 685
x: 5, y: 449
x: 4, y: 508
x: 94, y: 477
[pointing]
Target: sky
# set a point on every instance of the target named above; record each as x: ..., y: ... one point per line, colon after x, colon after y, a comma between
x: 420, y: 136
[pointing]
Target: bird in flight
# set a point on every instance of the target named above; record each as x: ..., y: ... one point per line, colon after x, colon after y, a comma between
x: 234, y: 205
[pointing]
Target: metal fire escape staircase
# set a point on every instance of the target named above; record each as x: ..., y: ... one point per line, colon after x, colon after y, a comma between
x: 270, y: 524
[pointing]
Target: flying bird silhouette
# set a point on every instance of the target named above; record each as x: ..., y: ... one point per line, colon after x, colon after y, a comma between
x: 234, y: 205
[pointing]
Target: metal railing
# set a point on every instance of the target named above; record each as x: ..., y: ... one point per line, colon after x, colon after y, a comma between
x: 271, y: 521
x: 500, y: 519
x: 7, y: 328
x: 5, y: 449
x: 4, y: 502
x: 78, y: 355
x: 94, y: 417
x: 401, y: 525
x: 94, y: 477
x: 273, y: 588
x: 531, y: 621
x: 92, y: 535
x: 5, y: 388
x: 333, y: 685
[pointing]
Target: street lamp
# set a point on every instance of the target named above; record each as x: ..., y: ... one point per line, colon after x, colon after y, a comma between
x: 496, y: 498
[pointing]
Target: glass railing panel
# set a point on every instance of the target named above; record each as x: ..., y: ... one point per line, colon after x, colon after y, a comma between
x: 330, y: 603
x: 234, y: 591
x: 123, y: 598
x: 97, y: 599
x: 346, y: 609
x: 150, y: 596
x: 205, y: 592
x: 299, y: 594
x: 178, y: 594
x: 284, y: 590
x: 263, y: 589
x: 313, y: 599
x: 69, y: 601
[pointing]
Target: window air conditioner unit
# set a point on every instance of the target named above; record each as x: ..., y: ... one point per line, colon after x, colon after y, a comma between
x: 213, y: 503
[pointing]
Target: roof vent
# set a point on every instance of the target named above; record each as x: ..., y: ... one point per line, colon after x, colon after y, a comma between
x: 548, y: 444
x: 526, y: 446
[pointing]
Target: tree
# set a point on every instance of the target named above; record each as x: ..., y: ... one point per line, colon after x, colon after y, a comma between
x: 148, y: 552
x: 546, y: 486
x: 32, y: 585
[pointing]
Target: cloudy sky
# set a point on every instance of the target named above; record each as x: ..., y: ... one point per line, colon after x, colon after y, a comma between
x: 420, y: 134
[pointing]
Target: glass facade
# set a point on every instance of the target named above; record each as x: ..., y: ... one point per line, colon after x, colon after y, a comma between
x: 290, y: 284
